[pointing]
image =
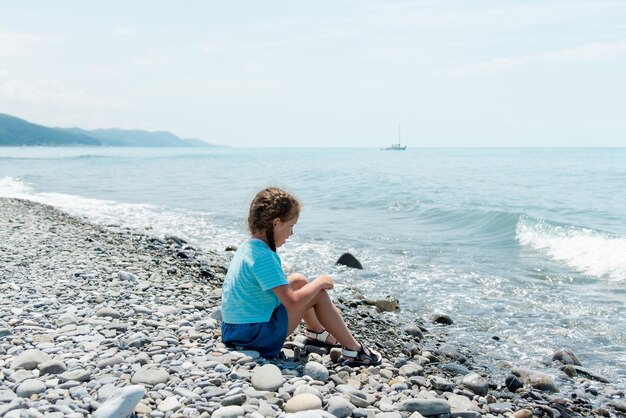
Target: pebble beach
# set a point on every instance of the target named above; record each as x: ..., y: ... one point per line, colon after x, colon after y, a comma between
x: 106, y: 322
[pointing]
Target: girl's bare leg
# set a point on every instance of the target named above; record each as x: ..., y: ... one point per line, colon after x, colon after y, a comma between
x: 320, y: 314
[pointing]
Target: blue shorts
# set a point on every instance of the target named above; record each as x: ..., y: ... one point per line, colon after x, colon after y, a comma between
x: 265, y: 337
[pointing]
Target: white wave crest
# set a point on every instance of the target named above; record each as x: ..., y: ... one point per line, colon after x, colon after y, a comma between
x: 591, y: 252
x: 195, y: 226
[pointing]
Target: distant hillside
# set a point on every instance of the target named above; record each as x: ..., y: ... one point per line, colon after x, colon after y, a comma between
x: 18, y: 132
x: 15, y: 131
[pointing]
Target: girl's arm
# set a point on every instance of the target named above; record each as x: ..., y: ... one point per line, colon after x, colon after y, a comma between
x: 303, y: 296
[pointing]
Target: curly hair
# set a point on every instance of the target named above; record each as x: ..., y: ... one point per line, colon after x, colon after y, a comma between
x: 267, y: 205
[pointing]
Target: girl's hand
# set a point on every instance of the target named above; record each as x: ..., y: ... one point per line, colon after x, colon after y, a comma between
x: 326, y: 282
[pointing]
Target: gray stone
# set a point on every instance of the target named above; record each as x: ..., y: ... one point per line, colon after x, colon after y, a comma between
x: 425, y: 407
x: 303, y: 402
x: 169, y: 404
x: 232, y: 411
x: 7, y: 395
x: 316, y: 370
x: 441, y: 384
x: 126, y: 276
x: 318, y: 413
x: 79, y: 375
x: 476, y: 383
x: 111, y: 361
x: 411, y: 369
x: 30, y: 359
x: 500, y: 407
x: 121, y: 403
x: 267, y: 377
x: 150, y: 376
x: 30, y: 387
x: 51, y: 367
x: 110, y: 312
x: 415, y: 332
x: 339, y: 407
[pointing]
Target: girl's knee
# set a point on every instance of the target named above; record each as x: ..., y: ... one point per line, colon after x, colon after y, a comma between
x: 297, y: 280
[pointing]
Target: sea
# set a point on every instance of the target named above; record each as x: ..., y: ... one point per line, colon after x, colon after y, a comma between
x: 524, y: 248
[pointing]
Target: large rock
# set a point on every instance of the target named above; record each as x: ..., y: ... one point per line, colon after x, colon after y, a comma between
x: 267, y: 377
x: 349, y: 260
x: 303, y: 402
x: 150, y: 376
x: 476, y: 383
x: 121, y: 403
x: 536, y: 380
x: 29, y: 359
x: 425, y: 407
x: 565, y: 356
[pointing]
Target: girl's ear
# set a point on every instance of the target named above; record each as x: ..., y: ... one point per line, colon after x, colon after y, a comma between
x: 275, y: 222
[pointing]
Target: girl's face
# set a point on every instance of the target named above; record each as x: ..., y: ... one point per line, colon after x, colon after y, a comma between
x: 283, y: 230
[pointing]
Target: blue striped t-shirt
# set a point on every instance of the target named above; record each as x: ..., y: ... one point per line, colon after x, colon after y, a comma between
x: 247, y: 295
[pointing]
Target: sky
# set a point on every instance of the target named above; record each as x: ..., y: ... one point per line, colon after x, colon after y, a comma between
x: 306, y: 73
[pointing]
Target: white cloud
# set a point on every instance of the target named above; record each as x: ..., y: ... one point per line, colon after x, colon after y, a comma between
x: 13, y: 43
x: 589, y: 52
x: 123, y: 32
x: 52, y: 102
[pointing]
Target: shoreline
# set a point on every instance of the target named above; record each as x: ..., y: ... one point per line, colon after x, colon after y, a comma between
x: 110, y: 308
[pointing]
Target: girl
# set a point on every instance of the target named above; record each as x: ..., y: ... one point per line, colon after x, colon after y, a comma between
x: 261, y: 306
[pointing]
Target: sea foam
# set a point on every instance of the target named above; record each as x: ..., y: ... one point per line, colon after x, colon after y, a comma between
x: 586, y: 250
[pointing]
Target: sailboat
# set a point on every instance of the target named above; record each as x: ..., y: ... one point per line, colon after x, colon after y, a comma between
x: 395, y: 147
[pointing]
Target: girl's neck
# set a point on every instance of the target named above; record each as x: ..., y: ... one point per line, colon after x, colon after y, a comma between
x: 260, y: 237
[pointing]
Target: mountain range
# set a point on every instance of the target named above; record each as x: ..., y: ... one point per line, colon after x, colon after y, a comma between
x: 19, y: 132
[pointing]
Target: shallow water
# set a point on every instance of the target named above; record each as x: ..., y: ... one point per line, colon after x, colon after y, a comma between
x: 525, y: 244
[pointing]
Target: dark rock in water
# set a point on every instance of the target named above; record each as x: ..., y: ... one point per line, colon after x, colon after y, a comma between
x: 619, y: 405
x: 231, y: 248
x: 565, y: 356
x: 349, y: 260
x: 590, y: 375
x: 476, y: 383
x: 440, y: 318
x: 513, y: 383
x: 569, y: 370
x: 415, y: 332
x: 389, y: 304
x: 176, y: 240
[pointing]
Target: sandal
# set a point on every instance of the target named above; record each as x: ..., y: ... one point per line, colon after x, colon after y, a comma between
x: 364, y: 357
x: 319, y: 339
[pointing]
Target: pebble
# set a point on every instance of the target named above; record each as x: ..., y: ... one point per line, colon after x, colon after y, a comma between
x: 30, y: 359
x: 317, y: 371
x: 30, y: 387
x: 476, y: 383
x: 150, y: 376
x: 267, y: 377
x: 303, y: 402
